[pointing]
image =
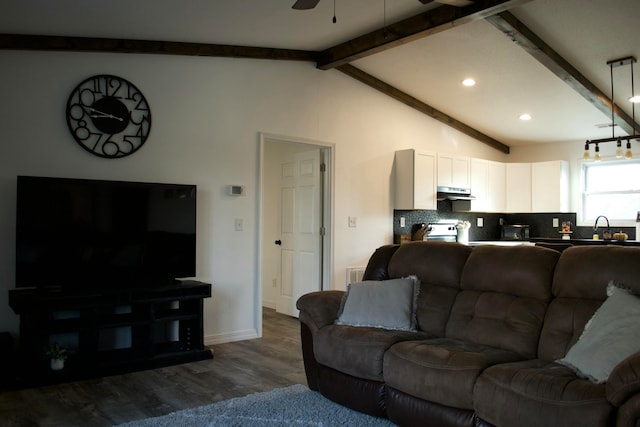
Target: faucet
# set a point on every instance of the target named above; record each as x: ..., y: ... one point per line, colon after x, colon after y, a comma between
x: 604, y: 234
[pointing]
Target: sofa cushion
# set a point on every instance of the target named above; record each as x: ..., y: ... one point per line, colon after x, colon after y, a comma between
x: 387, y: 304
x: 610, y: 336
x: 537, y: 393
x: 504, y: 296
x: 522, y: 271
x: 357, y: 351
x: 440, y: 370
x: 564, y: 322
x: 584, y: 271
x: 579, y: 288
x: 439, y: 267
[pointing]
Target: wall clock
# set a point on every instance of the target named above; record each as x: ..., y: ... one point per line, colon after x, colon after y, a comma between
x: 108, y: 116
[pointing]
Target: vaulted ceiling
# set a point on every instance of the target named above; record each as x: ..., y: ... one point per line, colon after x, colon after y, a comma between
x: 547, y: 58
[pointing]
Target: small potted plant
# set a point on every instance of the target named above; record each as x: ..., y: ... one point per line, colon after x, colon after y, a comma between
x: 57, y: 354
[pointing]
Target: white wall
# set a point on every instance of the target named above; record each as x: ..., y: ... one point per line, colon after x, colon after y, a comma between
x: 207, y: 113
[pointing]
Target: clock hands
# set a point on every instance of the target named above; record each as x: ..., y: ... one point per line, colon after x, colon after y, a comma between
x: 102, y: 114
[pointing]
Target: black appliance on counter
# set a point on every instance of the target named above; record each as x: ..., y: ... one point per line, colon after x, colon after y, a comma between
x: 514, y: 232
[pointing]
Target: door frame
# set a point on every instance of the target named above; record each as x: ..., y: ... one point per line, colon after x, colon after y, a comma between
x: 326, y: 270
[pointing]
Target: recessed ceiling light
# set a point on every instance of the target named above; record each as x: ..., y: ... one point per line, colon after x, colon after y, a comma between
x: 635, y: 99
x: 469, y: 82
x: 525, y: 116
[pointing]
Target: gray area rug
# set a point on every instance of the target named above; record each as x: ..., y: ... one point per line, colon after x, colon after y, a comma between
x: 290, y: 406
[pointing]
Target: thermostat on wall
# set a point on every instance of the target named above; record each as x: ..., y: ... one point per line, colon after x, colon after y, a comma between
x: 235, y: 190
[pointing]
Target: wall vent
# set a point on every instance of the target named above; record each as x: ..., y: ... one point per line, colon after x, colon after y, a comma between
x: 354, y: 274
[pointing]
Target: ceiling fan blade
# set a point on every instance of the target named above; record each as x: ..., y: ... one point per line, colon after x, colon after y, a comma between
x: 305, y: 4
x: 458, y: 3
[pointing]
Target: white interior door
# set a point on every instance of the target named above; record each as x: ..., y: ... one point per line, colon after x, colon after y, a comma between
x: 300, y: 223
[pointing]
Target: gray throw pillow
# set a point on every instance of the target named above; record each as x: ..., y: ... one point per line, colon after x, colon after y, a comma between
x: 610, y: 336
x: 387, y: 304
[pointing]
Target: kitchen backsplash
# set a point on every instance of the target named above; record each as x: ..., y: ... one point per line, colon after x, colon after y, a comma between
x: 541, y: 223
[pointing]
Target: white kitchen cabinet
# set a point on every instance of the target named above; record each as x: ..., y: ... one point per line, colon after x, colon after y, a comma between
x: 550, y: 186
x: 488, y: 185
x: 479, y: 181
x: 497, y: 187
x: 453, y: 171
x: 518, y: 185
x: 415, y: 180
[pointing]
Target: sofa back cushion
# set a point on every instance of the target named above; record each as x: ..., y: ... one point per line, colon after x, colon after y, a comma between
x: 579, y: 289
x: 505, y: 292
x: 439, y: 267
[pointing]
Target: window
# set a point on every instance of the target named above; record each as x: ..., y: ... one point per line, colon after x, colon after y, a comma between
x: 611, y: 189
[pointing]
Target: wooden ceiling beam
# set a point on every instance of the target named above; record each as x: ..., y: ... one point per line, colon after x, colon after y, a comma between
x: 94, y: 44
x: 552, y: 60
x: 410, y: 29
x: 416, y: 104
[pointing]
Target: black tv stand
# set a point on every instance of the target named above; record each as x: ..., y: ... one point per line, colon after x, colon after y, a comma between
x: 111, y: 331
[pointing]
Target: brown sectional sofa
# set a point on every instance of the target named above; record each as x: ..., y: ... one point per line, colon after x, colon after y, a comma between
x: 492, y: 321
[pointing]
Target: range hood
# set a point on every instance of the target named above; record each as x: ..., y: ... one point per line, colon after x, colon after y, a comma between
x: 454, y: 193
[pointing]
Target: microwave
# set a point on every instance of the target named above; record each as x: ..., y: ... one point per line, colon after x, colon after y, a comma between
x: 515, y: 232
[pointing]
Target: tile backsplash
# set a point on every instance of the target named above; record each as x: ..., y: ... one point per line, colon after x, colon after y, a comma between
x: 541, y: 223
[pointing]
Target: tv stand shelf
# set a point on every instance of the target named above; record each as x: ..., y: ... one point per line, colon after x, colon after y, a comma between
x: 110, y: 331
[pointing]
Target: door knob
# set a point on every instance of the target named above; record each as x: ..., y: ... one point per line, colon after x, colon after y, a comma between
x: 278, y: 242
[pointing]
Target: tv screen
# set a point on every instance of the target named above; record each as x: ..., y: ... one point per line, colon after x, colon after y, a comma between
x: 103, y: 234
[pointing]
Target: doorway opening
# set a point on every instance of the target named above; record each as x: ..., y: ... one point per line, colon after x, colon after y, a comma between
x: 295, y: 221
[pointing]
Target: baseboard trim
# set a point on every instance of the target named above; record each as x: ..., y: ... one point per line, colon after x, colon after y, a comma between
x: 269, y: 304
x: 247, y: 334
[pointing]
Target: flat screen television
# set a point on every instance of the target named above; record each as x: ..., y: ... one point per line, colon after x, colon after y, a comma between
x: 80, y: 233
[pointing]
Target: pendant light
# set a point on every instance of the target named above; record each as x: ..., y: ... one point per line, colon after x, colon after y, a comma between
x: 619, y: 153
x: 586, y: 155
x: 628, y: 154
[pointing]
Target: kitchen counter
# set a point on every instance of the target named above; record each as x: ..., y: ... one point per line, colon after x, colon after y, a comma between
x: 586, y: 241
x: 500, y: 242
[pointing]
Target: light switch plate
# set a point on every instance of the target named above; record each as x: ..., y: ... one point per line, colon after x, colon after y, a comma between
x: 480, y: 222
x: 555, y: 222
x: 353, y: 222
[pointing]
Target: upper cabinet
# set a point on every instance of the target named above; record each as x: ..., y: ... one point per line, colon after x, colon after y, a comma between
x: 479, y: 178
x: 488, y: 185
x: 538, y: 187
x: 453, y: 171
x: 415, y: 176
x: 518, y: 187
x: 550, y: 186
x: 497, y: 187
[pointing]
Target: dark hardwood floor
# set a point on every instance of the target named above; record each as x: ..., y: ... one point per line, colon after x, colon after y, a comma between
x: 237, y: 369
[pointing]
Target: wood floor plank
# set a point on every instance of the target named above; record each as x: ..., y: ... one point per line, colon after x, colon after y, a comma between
x: 237, y: 369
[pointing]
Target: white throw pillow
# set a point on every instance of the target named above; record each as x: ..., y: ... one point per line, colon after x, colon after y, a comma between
x: 610, y: 336
x: 387, y: 304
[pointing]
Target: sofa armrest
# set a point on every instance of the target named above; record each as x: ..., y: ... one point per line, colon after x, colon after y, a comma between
x: 629, y: 413
x: 318, y: 309
x: 624, y: 380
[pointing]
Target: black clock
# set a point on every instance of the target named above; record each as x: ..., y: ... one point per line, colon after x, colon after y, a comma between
x: 108, y: 116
